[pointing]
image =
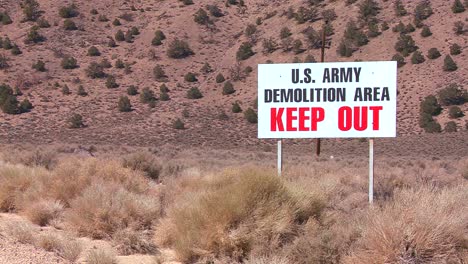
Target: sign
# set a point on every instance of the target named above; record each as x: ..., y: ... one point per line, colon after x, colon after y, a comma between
x: 327, y: 100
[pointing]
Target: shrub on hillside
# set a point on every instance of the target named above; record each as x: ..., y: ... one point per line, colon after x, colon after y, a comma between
x: 5, y: 19
x: 459, y: 27
x: 116, y: 22
x: 368, y: 10
x: 102, y: 18
x: 93, y: 51
x: 220, y: 78
x: 429, y: 124
x: 423, y: 10
x: 206, y: 68
x: 15, y: 50
x: 34, y: 36
x: 458, y: 7
x: 68, y: 62
x: 455, y: 112
x: 178, y: 124
x: 236, y: 108
x: 132, y: 90
x: 450, y: 127
x: 245, y: 51
x: 214, y: 10
x: 433, y: 53
x: 449, y: 64
x: 120, y: 36
x: 400, y: 8
x: 95, y: 70
x: 68, y: 11
x: 345, y: 48
x: 68, y: 24
x: 7, y: 44
x: 30, y: 10
x: 250, y: 116
x: 81, y: 91
x: 194, y: 93
x: 111, y: 82
x: 75, y: 121
x: 144, y: 162
x: 147, y: 95
x: 163, y: 88
x: 405, y: 45
x: 179, y: 49
x: 201, y: 17
x: 111, y: 43
x: 190, y: 77
x: 164, y: 96
x: 43, y: 23
x: 455, y: 49
x: 158, y: 73
x: 8, y: 101
x: 430, y: 105
x: 228, y: 88
x: 66, y: 90
x: 355, y: 35
x: 426, y: 32
x: 453, y: 94
x: 124, y: 104
x: 417, y: 58
x: 25, y: 106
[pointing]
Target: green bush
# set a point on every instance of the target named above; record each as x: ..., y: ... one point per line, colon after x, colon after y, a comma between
x: 455, y: 112
x: 119, y: 64
x: 68, y: 24
x: 25, y: 106
x: 423, y: 10
x: 214, y: 10
x: 355, y: 35
x: 453, y: 95
x: 220, y: 78
x: 400, y: 27
x: 250, y: 116
x: 458, y: 7
x: 417, y: 58
x: 329, y: 15
x: 194, y: 93
x: 116, y: 22
x: 93, y: 51
x: 449, y: 64
x: 15, y: 50
x: 163, y: 88
x: 368, y: 10
x: 158, y: 73
x: 430, y: 105
x: 429, y: 124
x: 228, y: 88
x: 385, y: 26
x: 34, y: 36
x: 132, y: 90
x: 129, y: 36
x: 95, y: 70
x: 433, y: 53
x: 178, y: 124
x: 201, y: 17
x: 69, y: 62
x: 345, y: 48
x: 426, y: 32
x: 158, y: 38
x: 400, y: 8
x: 459, y: 27
x: 187, y: 2
x: 409, y: 28
x: 236, y: 108
x: 65, y: 90
x: 245, y: 51
x: 5, y: 19
x: 190, y: 77
x: 450, y: 127
x: 102, y: 18
x: 206, y: 68
x: 93, y: 12
x: 8, y: 101
x: 134, y: 31
x: 76, y: 121
x: 269, y: 45
x: 405, y: 45
x: 3, y: 62
x: 81, y: 91
x: 43, y: 23
x: 111, y: 82
x: 285, y: 32
x: 39, y: 66
x: 30, y: 10
x: 68, y: 11
x: 105, y: 63
x: 120, y: 36
x: 147, y: 95
x: 124, y: 104
x: 455, y: 49
x: 179, y: 49
x: 164, y: 96
x: 111, y: 43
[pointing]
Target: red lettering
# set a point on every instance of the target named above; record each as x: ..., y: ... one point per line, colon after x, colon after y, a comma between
x: 303, y: 118
x: 276, y: 119
x: 290, y: 118
x: 375, y: 116
x: 360, y: 116
x: 318, y: 115
x: 345, y: 121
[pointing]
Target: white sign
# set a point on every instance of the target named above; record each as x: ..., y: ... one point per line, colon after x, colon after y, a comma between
x: 327, y: 100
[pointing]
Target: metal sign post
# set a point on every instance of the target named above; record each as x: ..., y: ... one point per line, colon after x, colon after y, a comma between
x: 371, y: 170
x: 280, y: 157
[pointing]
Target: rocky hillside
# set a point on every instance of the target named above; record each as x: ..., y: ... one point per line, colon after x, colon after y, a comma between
x: 80, y: 57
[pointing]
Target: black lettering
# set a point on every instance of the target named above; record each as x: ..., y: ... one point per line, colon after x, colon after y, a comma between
x: 304, y: 96
x: 318, y: 90
x: 367, y: 94
x: 268, y: 96
x: 358, y: 94
x: 341, y: 94
x: 297, y: 95
x: 376, y: 93
x: 335, y: 73
x: 357, y: 73
x: 331, y: 95
x: 276, y: 94
x: 295, y: 75
x: 286, y: 95
x: 326, y: 75
x: 346, y: 74
x: 385, y: 94
x: 307, y: 73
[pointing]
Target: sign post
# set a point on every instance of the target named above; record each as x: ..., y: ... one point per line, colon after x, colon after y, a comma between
x: 280, y: 157
x: 328, y: 100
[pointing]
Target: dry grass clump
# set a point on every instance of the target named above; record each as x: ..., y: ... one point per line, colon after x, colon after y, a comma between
x: 46, y: 157
x: 101, y: 256
x: 269, y: 260
x: 103, y: 208
x: 419, y: 226
x: 232, y: 213
x: 69, y: 249
x: 21, y: 231
x: 43, y: 211
x: 145, y: 162
x: 129, y: 241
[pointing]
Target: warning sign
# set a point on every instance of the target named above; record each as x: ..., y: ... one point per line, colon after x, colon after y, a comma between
x: 327, y: 100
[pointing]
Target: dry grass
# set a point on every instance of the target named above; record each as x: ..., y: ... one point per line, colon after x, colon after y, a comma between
x: 144, y: 162
x: 43, y: 211
x: 100, y: 256
x: 21, y: 231
x: 231, y: 213
x: 129, y: 241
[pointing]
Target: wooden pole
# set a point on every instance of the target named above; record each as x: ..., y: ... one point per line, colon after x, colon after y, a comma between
x: 280, y: 157
x: 322, y: 59
x: 371, y: 170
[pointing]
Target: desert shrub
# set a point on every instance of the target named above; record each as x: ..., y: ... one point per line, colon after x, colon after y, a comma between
x: 245, y: 51
x: 119, y: 64
x: 158, y: 73
x: 95, y: 70
x: 373, y: 30
x: 305, y: 14
x: 75, y: 121
x: 355, y: 35
x: 120, y: 36
x: 111, y: 82
x: 30, y: 10
x: 105, y: 63
x: 190, y: 77
x: 400, y: 27
x: 147, y: 95
x: 430, y: 105
x: 455, y: 112
x: 81, y: 91
x: 129, y: 36
x: 243, y: 203
x: 144, y: 162
x: 66, y: 90
x: 127, y: 16
x: 459, y: 27
x: 179, y: 49
x: 345, y: 48
x: 269, y: 45
x: 433, y: 53
x: 449, y: 64
x: 164, y: 96
x: 43, y: 212
x: 329, y: 15
x: 102, y: 18
x: 385, y: 26
x: 128, y: 242
x: 21, y: 231
x: 43, y: 23
x: 450, y: 127
x: 405, y: 45
x: 68, y: 11
x: 5, y: 19
x: 455, y: 49
x: 417, y: 58
x: 201, y: 17
x: 429, y: 124
x: 427, y: 238
x: 124, y: 104
x: 453, y: 94
x: 39, y: 66
x: 194, y: 93
x: 220, y: 78
x: 228, y: 88
x: 426, y: 32
x: 285, y: 32
x: 116, y: 22
x: 68, y: 62
x: 8, y: 101
x: 93, y: 51
x: 178, y: 124
x: 297, y: 46
x: 400, y: 8
x: 250, y: 116
x: 101, y: 257
x: 409, y: 28
x: 158, y: 38
x: 206, y: 68
x: 423, y: 10
x: 250, y: 30
x: 134, y: 31
x: 111, y: 43
x: 368, y: 10
x: 33, y: 36
x: 93, y: 11
x: 458, y: 7
x: 25, y: 106
x: 236, y: 108
x: 214, y: 10
x: 132, y: 90
x: 163, y: 88
x: 68, y: 24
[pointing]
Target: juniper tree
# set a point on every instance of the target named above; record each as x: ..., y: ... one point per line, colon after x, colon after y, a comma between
x: 449, y: 64
x: 458, y: 7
